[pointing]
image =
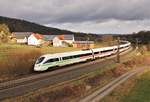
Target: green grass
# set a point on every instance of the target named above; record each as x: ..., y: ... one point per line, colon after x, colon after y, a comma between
x: 141, y: 90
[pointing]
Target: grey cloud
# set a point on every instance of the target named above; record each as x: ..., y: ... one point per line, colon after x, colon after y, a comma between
x: 62, y: 11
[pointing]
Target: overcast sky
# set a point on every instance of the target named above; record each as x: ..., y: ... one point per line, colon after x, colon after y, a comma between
x: 95, y: 16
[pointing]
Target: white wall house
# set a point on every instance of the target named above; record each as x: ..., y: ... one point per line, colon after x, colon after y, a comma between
x: 69, y: 39
x: 57, y: 42
x: 35, y: 39
x: 61, y: 40
x: 22, y: 37
x: 23, y: 40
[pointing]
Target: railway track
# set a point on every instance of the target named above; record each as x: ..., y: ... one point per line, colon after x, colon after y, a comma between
x: 101, y: 93
x: 24, y: 85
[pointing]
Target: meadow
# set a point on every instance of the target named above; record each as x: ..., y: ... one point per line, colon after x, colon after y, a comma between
x: 136, y: 89
x: 18, y: 60
x: 140, y: 91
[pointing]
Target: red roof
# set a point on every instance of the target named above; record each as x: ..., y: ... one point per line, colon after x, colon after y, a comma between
x: 38, y: 36
x: 61, y: 37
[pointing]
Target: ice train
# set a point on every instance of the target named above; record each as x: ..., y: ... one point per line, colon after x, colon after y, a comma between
x: 47, y: 61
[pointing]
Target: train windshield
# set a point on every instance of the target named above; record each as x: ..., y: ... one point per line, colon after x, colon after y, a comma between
x: 39, y: 60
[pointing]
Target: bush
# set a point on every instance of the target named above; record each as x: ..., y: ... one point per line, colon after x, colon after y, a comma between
x: 119, y: 70
x: 19, y: 63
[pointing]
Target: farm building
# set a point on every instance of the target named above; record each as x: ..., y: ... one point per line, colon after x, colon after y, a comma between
x: 22, y: 37
x: 83, y: 44
x: 63, y: 40
x: 35, y: 39
x: 49, y: 37
x: 57, y: 42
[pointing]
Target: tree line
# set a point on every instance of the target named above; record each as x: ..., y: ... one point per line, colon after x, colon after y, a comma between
x: 141, y: 37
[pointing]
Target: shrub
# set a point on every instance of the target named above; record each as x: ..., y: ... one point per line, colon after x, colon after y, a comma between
x: 61, y: 95
x: 19, y: 63
x: 119, y: 70
x: 93, y: 81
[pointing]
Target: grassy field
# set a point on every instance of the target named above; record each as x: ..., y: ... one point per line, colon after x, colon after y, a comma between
x: 141, y: 91
x: 136, y: 89
x: 87, y: 84
x: 18, y: 60
x: 93, y: 81
x: 105, y: 44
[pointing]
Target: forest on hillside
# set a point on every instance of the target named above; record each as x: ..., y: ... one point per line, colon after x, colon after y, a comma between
x: 141, y: 37
x: 16, y: 25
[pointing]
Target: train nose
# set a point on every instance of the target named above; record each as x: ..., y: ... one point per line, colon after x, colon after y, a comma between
x: 37, y: 68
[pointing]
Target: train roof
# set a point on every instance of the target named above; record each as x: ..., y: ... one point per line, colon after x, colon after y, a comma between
x: 57, y: 55
x: 74, y: 52
x: 66, y: 53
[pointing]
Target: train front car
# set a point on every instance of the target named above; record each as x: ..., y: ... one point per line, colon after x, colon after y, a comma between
x: 39, y: 64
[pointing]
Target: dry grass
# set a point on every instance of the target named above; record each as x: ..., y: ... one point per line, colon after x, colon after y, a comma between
x: 136, y: 89
x: 18, y: 60
x: 63, y: 95
x: 105, y: 44
x: 73, y: 91
x: 67, y: 93
x: 120, y: 92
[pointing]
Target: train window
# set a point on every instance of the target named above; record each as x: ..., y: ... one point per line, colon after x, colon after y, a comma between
x: 39, y: 60
x: 106, y: 51
x: 76, y: 56
x: 96, y: 52
x: 67, y: 57
x: 52, y: 60
x: 87, y: 54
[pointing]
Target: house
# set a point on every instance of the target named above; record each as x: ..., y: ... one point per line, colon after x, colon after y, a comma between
x: 63, y: 40
x: 35, y: 39
x: 83, y: 44
x: 70, y: 40
x: 22, y: 37
x: 57, y: 42
x: 49, y: 37
x: 67, y: 38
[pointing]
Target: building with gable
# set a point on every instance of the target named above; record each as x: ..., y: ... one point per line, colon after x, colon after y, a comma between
x: 63, y: 40
x: 22, y: 37
x: 35, y: 39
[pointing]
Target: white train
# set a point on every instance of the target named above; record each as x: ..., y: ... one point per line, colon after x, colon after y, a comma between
x: 47, y: 61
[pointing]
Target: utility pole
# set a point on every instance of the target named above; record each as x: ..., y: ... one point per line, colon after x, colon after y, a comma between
x: 87, y: 41
x: 137, y: 41
x: 118, y: 47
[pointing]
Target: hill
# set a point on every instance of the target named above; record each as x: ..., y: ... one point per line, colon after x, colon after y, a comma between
x: 17, y: 25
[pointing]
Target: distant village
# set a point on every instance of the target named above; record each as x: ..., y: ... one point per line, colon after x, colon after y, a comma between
x: 60, y: 40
